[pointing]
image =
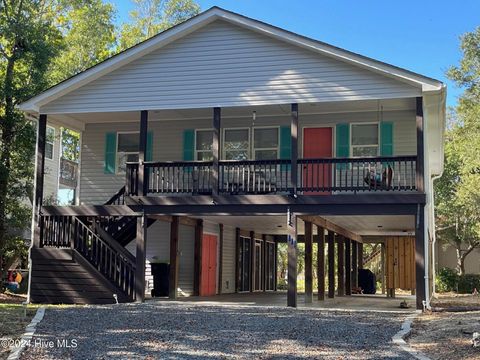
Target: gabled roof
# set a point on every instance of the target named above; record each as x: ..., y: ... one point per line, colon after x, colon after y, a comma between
x: 162, y: 39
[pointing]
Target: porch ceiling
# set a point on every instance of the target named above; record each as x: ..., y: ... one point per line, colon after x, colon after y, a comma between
x: 240, y: 112
x: 362, y: 225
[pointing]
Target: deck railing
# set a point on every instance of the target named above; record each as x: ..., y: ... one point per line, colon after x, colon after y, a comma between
x: 314, y: 176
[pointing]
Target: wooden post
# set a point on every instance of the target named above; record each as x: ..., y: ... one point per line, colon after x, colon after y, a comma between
x: 308, y: 262
x: 142, y: 151
x: 39, y: 180
x: 360, y: 255
x: 237, y: 260
x: 276, y: 266
x: 348, y: 267
x: 140, y: 258
x: 294, y: 147
x: 420, y: 256
x: 382, y: 259
x: 419, y: 176
x: 292, y: 259
x: 264, y: 262
x: 220, y: 258
x: 321, y: 262
x: 252, y: 261
x: 216, y: 149
x: 173, y: 278
x: 340, y: 265
x: 331, y: 264
x: 354, y: 264
x: 197, y: 257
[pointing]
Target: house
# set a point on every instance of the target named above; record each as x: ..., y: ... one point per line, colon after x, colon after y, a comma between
x: 214, y: 141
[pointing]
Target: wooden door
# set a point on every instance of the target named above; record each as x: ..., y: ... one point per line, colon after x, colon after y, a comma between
x: 209, y: 265
x: 400, y: 262
x: 317, y: 143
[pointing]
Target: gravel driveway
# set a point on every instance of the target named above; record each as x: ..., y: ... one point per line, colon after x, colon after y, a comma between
x: 171, y: 330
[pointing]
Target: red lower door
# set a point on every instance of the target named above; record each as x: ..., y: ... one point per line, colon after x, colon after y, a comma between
x: 209, y: 265
x: 317, y: 143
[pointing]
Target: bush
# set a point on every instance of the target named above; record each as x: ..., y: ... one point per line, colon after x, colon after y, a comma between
x: 467, y: 283
x: 447, y: 280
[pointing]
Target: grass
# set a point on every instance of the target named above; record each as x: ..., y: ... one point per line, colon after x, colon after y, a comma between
x: 13, y: 320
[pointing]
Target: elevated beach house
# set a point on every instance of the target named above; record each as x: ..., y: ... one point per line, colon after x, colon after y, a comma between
x: 211, y: 143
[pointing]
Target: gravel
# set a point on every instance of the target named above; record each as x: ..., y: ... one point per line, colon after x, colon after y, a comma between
x: 171, y: 330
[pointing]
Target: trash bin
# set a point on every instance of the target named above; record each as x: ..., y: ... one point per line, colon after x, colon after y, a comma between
x: 160, y: 273
x: 367, y: 281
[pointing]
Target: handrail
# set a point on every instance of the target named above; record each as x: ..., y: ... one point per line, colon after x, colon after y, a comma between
x: 118, y: 198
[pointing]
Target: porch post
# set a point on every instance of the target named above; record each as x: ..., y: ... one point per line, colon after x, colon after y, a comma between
x: 142, y: 151
x: 197, y: 257
x: 292, y: 259
x: 331, y: 264
x: 264, y: 262
x: 354, y: 264
x: 237, y: 260
x: 420, y: 216
x: 140, y: 258
x: 220, y: 258
x: 382, y: 266
x: 39, y: 179
x: 348, y: 267
x: 308, y: 262
x: 321, y: 263
x: 294, y: 147
x: 275, y: 261
x: 216, y: 149
x: 252, y: 260
x: 360, y: 255
x: 340, y: 265
x: 173, y: 275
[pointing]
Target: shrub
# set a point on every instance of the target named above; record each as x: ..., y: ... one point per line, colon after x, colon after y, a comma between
x: 467, y: 283
x: 447, y: 280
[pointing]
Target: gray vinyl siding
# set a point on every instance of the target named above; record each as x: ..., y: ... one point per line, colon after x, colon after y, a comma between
x: 158, y: 250
x: 224, y: 65
x: 96, y: 187
x: 228, y: 268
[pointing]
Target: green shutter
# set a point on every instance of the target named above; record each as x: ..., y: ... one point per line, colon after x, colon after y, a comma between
x: 110, y: 152
x: 149, y: 154
x: 188, y: 145
x: 386, y: 138
x: 342, y: 140
x: 285, y: 145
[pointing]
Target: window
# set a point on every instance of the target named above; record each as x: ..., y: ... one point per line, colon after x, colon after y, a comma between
x: 127, y: 149
x: 203, y: 145
x: 364, y: 140
x: 265, y: 143
x: 50, y: 139
x: 236, y: 144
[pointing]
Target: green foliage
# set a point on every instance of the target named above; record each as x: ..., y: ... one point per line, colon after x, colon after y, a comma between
x: 467, y: 283
x: 153, y: 16
x: 70, y: 144
x: 447, y: 280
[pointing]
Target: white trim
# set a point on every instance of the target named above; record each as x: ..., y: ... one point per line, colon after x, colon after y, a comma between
x: 195, y: 151
x: 189, y: 26
x: 53, y: 143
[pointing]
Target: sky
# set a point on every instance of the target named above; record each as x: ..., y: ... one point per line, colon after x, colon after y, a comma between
x: 421, y: 36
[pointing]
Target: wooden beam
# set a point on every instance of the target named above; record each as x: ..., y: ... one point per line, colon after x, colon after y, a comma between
x: 354, y: 264
x: 197, y: 257
x: 292, y: 260
x: 348, y: 266
x: 184, y: 220
x: 90, y: 210
x: 308, y: 262
x: 220, y: 258
x: 142, y: 151
x: 216, y: 149
x: 294, y: 147
x: 331, y: 264
x: 140, y: 258
x: 340, y: 265
x: 237, y: 259
x: 39, y: 178
x: 320, y: 221
x: 174, y: 265
x: 419, y: 176
x: 321, y: 262
x: 420, y: 290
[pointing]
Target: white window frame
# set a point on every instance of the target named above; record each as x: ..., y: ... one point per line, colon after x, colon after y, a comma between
x: 249, y: 147
x: 364, y: 146
x: 277, y: 149
x: 117, y: 170
x: 195, y: 156
x: 52, y: 143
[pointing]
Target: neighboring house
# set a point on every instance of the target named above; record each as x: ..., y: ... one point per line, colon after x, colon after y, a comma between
x: 208, y: 144
x: 446, y: 256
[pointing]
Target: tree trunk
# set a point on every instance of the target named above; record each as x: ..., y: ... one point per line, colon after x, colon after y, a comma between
x: 461, y: 256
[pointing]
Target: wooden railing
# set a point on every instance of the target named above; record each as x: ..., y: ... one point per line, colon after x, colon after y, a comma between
x: 255, y: 177
x: 314, y: 176
x: 107, y: 256
x: 68, y: 173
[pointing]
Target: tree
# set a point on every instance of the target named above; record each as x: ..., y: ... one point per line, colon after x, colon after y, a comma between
x: 457, y: 194
x: 153, y: 16
x: 28, y: 43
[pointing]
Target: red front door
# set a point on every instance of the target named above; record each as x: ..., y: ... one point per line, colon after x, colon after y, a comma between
x: 209, y: 265
x: 317, y: 143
